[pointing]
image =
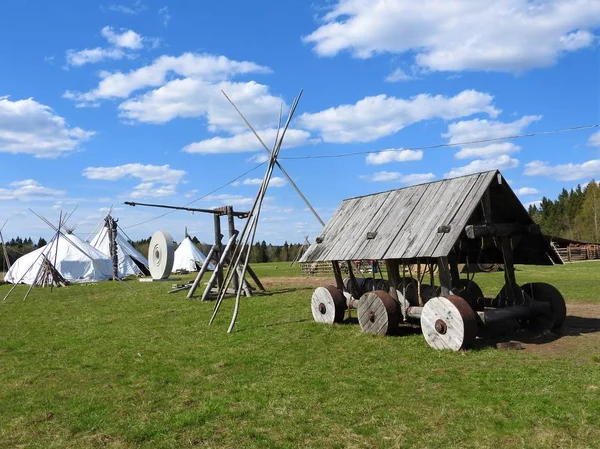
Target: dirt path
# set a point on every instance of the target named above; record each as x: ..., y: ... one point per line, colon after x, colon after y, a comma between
x: 580, y: 333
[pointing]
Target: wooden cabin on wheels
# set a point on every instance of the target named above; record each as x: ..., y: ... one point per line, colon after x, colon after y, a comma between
x: 423, y: 233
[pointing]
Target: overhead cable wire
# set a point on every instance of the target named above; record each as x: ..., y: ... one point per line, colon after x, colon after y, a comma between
x: 199, y: 198
x: 449, y: 144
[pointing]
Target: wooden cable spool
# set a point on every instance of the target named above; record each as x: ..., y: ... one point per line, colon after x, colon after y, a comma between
x: 448, y: 323
x: 378, y: 312
x: 328, y: 305
x: 542, y: 292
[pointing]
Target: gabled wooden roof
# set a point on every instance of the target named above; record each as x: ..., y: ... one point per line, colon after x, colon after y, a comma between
x: 404, y: 223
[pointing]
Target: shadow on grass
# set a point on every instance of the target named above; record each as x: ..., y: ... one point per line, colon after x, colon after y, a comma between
x: 574, y: 326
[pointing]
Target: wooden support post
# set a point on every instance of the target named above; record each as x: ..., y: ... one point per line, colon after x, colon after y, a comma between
x: 219, y: 267
x: 419, y: 284
x: 201, y: 273
x: 509, y: 268
x: 569, y: 252
x: 231, y: 228
x: 454, y: 271
x: 352, y: 286
x: 394, y: 278
x: 218, y: 249
x: 337, y: 273
x: 445, y: 275
x: 254, y: 277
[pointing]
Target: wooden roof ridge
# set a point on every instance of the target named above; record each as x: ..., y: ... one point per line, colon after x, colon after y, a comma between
x: 420, y: 184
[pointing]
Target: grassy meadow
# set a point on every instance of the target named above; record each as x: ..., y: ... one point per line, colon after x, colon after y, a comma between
x: 124, y: 365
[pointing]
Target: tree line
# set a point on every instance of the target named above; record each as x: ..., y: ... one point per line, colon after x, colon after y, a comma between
x: 17, y: 247
x: 261, y: 251
x: 575, y: 214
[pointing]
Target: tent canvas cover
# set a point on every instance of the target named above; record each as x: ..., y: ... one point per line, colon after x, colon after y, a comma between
x: 186, y: 256
x: 64, y: 253
x: 131, y: 261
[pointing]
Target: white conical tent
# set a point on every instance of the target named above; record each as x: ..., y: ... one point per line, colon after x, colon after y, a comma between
x: 131, y: 261
x: 75, y: 259
x: 186, y: 256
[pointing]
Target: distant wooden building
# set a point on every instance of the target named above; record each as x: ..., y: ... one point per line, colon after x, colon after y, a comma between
x: 574, y: 250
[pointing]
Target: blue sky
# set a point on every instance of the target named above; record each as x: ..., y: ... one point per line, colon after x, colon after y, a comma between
x: 104, y: 102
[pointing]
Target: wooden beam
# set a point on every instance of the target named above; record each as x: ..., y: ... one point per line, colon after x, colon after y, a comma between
x: 445, y: 275
x: 337, y: 273
x: 501, y: 229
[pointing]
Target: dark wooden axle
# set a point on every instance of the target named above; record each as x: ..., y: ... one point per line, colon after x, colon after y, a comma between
x: 491, y: 316
x: 504, y: 229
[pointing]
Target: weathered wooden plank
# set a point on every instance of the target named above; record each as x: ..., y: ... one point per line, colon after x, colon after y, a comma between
x: 393, y: 216
x: 450, y: 212
x: 316, y: 251
x: 431, y: 216
x: 465, y: 211
x: 365, y: 222
x: 414, y: 224
x: 362, y: 210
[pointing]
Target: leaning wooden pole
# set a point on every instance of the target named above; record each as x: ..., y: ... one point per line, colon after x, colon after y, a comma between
x: 242, y: 246
x: 219, y: 267
x: 289, y: 178
x: 260, y: 198
x: 201, y: 272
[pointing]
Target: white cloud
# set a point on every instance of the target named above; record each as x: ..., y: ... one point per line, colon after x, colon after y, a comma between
x: 230, y: 200
x: 119, y: 41
x: 275, y: 182
x: 247, y: 142
x: 125, y: 39
x: 392, y: 155
x: 150, y: 190
x: 527, y: 191
x: 532, y: 203
x: 455, y: 35
x: 374, y: 117
x: 191, y: 193
x: 481, y: 129
x: 207, y: 67
x: 388, y: 176
x: 164, y: 15
x: 28, y: 190
x: 487, y: 151
x: 501, y: 163
x: 564, y: 172
x: 397, y: 76
x: 133, y: 10
x: 191, y: 97
x: 146, y: 173
x: 594, y: 139
x: 29, y: 127
x: 92, y: 55
x: 258, y: 158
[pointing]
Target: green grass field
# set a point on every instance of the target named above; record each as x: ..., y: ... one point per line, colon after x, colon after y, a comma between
x: 126, y: 365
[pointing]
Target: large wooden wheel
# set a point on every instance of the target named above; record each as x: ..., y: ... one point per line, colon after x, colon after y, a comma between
x: 448, y: 323
x: 409, y: 289
x: 471, y: 292
x: 328, y: 305
x: 540, y: 291
x: 378, y: 312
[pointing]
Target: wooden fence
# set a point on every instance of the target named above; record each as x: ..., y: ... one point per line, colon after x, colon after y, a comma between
x: 578, y: 253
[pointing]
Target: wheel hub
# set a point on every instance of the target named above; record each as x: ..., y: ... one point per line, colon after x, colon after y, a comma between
x: 322, y: 308
x: 441, y: 327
